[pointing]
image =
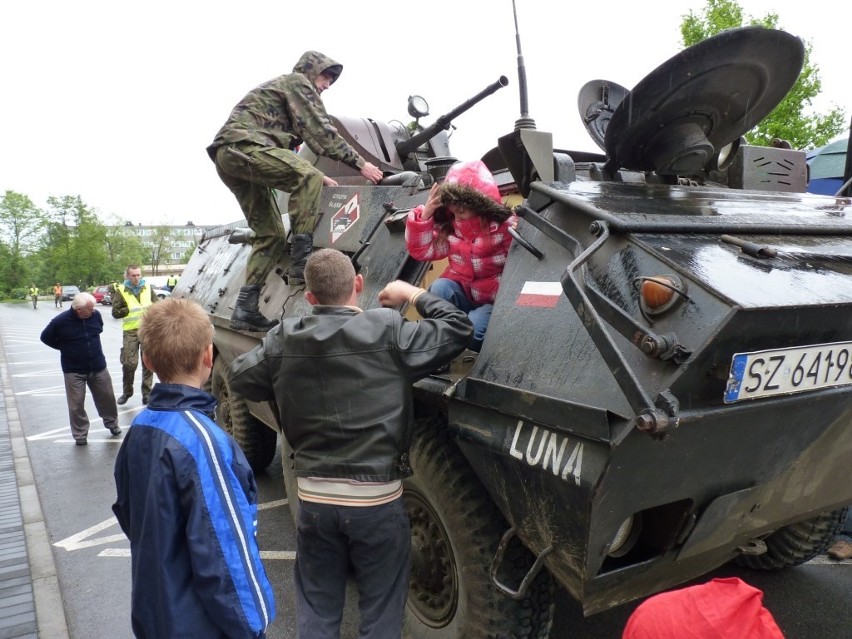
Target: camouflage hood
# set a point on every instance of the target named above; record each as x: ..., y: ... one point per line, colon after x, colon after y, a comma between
x: 312, y: 63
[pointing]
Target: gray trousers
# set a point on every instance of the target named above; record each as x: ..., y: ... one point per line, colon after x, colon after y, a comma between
x: 100, y: 383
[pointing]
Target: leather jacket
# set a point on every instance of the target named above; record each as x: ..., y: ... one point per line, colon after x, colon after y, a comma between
x: 342, y: 377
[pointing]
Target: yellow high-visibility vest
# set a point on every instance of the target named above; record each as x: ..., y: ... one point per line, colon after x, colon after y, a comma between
x: 134, y: 306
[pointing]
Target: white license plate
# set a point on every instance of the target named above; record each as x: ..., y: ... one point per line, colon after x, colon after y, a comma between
x: 789, y: 370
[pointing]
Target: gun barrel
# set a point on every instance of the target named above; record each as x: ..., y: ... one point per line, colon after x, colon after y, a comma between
x: 407, y: 146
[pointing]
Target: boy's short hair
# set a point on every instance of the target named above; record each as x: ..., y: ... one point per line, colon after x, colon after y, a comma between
x: 329, y: 275
x: 174, y: 333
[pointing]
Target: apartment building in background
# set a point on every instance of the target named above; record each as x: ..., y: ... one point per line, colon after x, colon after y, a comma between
x: 167, y: 247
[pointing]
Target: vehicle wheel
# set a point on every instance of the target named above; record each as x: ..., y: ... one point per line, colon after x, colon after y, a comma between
x: 289, y: 479
x: 455, y: 530
x: 797, y: 543
x: 255, y: 438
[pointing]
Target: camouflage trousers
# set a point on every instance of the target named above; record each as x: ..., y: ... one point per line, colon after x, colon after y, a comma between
x: 130, y: 358
x: 251, y: 172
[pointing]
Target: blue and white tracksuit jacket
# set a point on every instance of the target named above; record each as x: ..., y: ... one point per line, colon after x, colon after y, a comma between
x: 187, y: 500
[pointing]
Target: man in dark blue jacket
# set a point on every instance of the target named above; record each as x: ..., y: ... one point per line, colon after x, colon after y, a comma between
x: 187, y: 499
x: 76, y: 333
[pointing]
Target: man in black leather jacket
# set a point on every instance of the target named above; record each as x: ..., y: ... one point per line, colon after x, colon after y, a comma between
x: 342, y: 379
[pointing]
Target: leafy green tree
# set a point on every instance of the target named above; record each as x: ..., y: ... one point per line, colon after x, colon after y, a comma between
x: 793, y: 119
x: 123, y: 247
x: 7, y: 283
x: 78, y: 248
x: 158, y: 247
x: 74, y: 243
x: 21, y: 225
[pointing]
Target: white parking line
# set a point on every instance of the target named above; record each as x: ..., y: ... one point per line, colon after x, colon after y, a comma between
x: 88, y: 539
x: 285, y: 555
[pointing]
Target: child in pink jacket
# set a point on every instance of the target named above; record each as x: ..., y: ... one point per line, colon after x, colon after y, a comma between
x: 464, y: 220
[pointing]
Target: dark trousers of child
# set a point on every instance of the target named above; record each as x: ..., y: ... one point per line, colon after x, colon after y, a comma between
x: 375, y: 540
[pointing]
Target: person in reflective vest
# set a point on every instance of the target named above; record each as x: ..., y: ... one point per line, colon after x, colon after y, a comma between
x: 131, y: 300
x: 57, y: 295
x: 171, y: 282
x: 33, y: 293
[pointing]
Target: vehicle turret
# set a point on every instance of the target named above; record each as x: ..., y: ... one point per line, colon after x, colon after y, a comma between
x: 392, y: 146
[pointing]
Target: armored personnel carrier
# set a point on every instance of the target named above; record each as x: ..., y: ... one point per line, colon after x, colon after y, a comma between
x: 666, y: 382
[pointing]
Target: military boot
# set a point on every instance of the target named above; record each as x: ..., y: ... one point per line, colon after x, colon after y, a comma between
x: 246, y: 317
x: 300, y: 251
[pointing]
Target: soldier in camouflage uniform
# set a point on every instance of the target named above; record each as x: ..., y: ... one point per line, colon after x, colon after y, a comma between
x: 254, y: 152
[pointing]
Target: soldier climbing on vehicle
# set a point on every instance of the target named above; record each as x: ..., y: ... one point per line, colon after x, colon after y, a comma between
x: 254, y: 153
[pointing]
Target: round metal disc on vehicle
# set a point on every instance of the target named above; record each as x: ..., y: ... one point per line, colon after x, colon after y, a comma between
x: 597, y: 101
x: 702, y: 99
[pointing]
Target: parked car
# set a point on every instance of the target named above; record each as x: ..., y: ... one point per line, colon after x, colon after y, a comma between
x: 102, y: 295
x: 68, y: 292
x: 161, y: 293
x: 826, y: 166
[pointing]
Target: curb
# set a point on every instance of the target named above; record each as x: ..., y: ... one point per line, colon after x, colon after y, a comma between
x: 46, y: 593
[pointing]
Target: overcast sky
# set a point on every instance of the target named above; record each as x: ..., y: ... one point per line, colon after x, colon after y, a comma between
x: 116, y: 101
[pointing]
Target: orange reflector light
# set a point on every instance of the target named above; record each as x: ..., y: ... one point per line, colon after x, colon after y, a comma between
x: 657, y: 291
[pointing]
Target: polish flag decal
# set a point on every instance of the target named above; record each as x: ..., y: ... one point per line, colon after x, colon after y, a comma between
x: 541, y: 294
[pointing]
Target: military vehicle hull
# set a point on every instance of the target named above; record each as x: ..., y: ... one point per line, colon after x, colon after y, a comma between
x: 666, y: 381
x: 548, y: 425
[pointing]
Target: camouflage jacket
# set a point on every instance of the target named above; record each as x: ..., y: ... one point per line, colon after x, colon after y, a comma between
x: 286, y: 111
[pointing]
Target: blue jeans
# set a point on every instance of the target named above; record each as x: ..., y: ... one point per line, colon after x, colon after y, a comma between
x: 376, y: 541
x: 479, y: 315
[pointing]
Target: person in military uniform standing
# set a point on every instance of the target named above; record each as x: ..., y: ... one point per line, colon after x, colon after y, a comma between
x: 254, y: 153
x: 33, y: 293
x: 129, y: 303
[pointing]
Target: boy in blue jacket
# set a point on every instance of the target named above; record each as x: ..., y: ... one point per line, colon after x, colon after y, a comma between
x: 187, y: 498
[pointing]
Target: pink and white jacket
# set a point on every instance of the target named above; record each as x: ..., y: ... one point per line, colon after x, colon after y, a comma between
x: 476, y: 251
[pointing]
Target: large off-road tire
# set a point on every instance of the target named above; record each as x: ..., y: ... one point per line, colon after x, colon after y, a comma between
x: 455, y: 530
x: 255, y: 438
x: 797, y: 543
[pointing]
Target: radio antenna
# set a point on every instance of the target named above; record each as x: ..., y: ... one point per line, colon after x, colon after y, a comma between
x: 525, y: 121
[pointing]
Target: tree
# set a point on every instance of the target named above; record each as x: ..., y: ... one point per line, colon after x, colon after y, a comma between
x: 73, y: 249
x: 158, y: 247
x: 793, y: 119
x: 21, y: 225
x: 77, y: 248
x: 123, y: 247
x: 7, y: 283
